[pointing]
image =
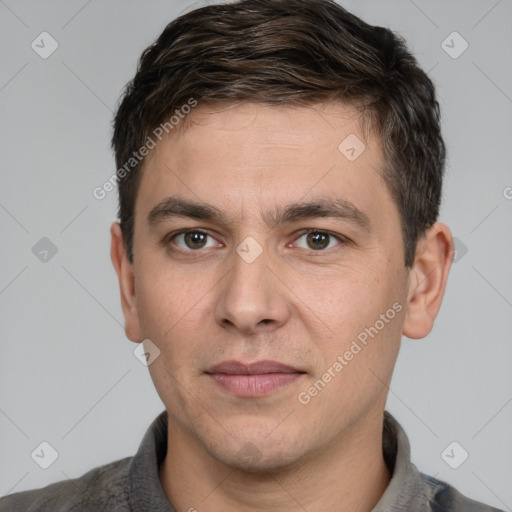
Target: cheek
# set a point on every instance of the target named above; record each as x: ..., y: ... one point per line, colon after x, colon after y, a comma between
x: 172, y: 307
x: 170, y: 312
x: 357, y: 314
x: 342, y: 301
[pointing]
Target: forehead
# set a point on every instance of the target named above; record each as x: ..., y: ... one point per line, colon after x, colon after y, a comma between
x: 242, y: 158
x: 275, y: 126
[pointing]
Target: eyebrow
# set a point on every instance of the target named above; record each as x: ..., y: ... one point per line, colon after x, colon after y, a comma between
x: 339, y: 208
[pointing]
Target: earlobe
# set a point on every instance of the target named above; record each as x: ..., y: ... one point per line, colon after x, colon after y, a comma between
x: 427, y: 280
x: 124, y: 271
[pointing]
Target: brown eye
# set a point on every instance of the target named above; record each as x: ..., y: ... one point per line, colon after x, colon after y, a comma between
x: 318, y: 240
x: 192, y: 240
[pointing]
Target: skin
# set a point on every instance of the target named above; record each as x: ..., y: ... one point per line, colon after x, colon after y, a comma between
x: 299, y: 302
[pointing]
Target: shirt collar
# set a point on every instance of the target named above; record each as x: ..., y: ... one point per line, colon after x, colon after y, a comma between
x: 144, y: 488
x: 405, y: 491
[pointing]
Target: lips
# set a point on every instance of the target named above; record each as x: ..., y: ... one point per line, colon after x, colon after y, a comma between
x: 254, y: 379
x: 259, y: 367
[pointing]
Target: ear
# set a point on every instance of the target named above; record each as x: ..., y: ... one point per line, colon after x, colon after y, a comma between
x: 124, y: 270
x: 427, y: 280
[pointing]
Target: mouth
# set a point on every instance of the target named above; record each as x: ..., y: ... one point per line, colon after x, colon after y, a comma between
x: 255, y: 379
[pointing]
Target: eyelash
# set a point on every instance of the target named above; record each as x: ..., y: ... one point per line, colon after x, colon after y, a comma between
x: 341, y: 239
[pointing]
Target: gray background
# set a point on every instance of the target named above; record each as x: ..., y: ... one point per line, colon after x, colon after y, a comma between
x: 68, y: 375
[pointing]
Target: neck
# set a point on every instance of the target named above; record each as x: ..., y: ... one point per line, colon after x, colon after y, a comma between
x: 350, y: 475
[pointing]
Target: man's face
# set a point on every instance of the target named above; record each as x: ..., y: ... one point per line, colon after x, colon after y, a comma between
x: 255, y: 284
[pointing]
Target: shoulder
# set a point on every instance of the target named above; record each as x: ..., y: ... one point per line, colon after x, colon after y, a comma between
x: 101, y: 488
x: 445, y: 498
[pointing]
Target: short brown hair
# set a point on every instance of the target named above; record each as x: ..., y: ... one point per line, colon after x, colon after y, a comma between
x: 296, y: 53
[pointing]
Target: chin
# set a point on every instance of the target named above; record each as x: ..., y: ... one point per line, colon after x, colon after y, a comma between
x: 257, y: 452
x: 250, y: 459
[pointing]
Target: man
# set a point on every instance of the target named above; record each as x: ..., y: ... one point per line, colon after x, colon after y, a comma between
x: 280, y: 170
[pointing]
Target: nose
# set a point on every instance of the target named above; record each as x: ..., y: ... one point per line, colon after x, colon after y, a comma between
x: 252, y: 298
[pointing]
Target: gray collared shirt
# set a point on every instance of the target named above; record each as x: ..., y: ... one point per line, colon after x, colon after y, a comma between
x: 133, y: 485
